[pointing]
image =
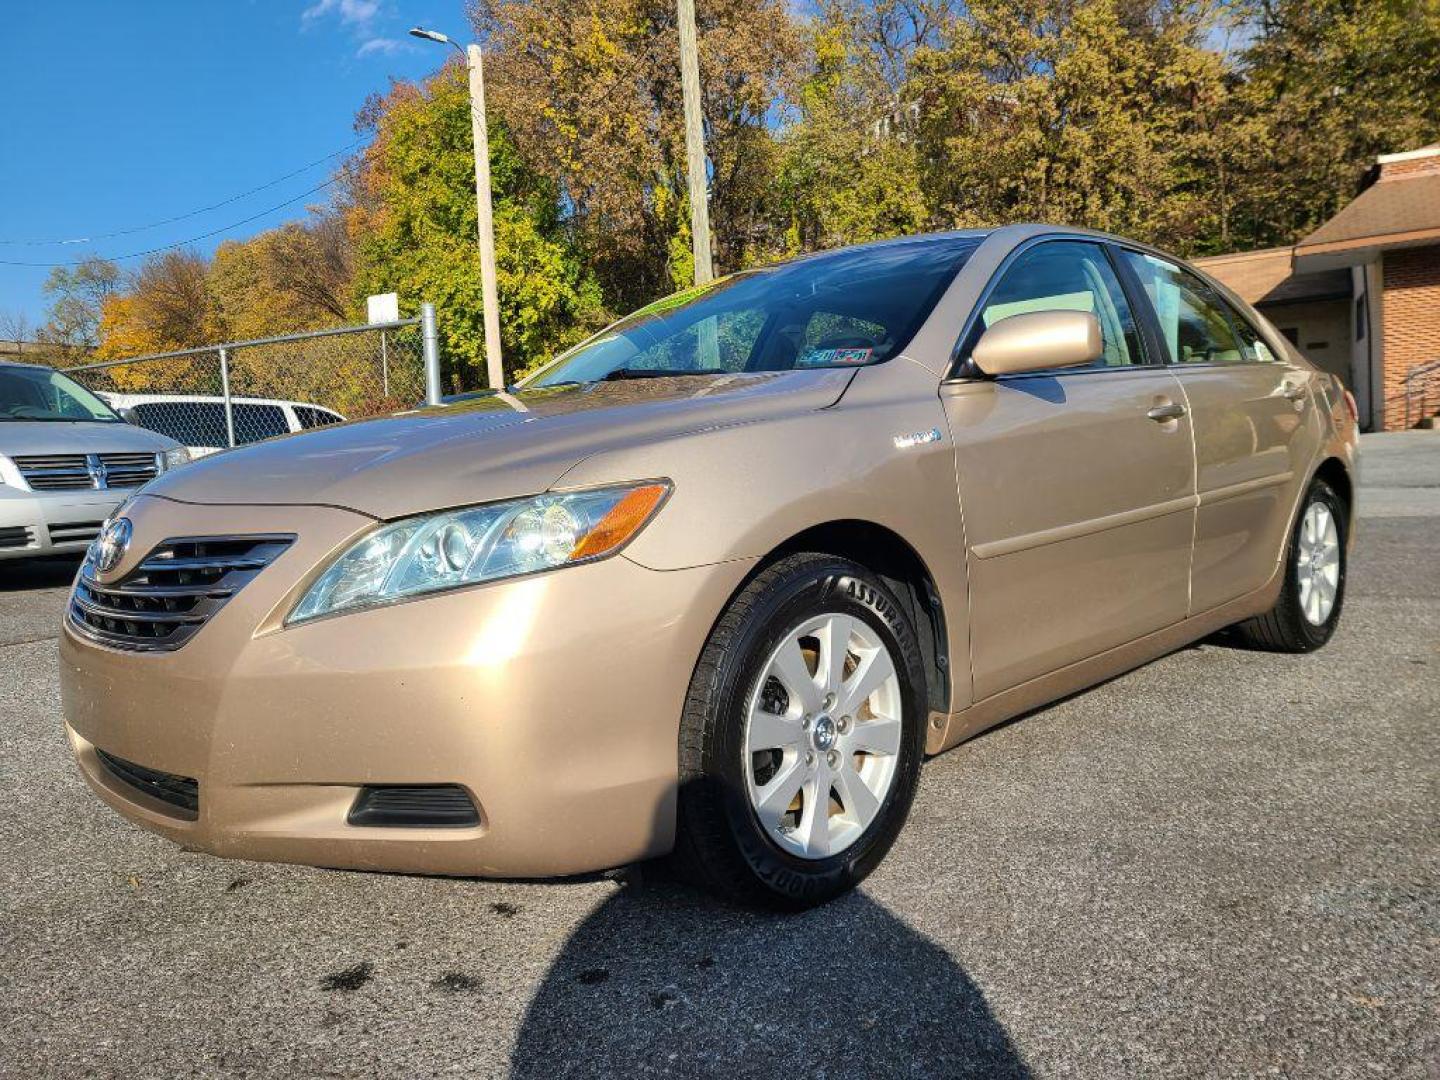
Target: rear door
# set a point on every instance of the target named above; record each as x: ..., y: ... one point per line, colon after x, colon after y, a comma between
x: 1076, y: 485
x: 1256, y: 428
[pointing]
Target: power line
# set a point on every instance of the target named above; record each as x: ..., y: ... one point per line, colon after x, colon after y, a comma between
x: 181, y: 243
x: 32, y: 242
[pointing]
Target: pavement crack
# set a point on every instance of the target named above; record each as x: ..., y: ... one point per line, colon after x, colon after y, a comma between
x: 28, y: 641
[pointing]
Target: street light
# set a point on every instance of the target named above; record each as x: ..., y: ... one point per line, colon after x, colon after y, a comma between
x: 494, y: 363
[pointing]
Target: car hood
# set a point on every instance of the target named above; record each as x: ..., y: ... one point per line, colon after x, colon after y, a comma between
x: 488, y: 448
x: 22, y: 437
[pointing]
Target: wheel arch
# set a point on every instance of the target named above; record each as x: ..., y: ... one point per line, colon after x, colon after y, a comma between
x: 1335, y: 473
x: 895, y: 561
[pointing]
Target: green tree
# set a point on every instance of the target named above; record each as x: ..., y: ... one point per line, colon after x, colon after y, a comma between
x: 79, y: 293
x: 591, y: 93
x: 413, y: 228
x: 1335, y: 83
x: 851, y: 168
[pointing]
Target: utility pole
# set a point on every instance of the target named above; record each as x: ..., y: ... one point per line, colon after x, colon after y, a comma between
x: 494, y: 362
x: 695, y: 144
x: 484, y: 217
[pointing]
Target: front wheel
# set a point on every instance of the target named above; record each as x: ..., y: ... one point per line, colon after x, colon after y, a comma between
x: 1308, y: 608
x: 802, y: 735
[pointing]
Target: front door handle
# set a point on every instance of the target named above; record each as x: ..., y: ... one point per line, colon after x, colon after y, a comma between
x: 1169, y: 411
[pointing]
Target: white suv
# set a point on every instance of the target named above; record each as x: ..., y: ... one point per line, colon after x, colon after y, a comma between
x: 66, y: 461
x: 199, y: 422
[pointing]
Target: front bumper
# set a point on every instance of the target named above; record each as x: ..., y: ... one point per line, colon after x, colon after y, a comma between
x: 53, y: 523
x: 554, y: 700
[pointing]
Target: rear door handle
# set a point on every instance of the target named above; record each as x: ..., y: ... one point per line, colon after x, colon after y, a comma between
x: 1294, y: 393
x: 1169, y: 411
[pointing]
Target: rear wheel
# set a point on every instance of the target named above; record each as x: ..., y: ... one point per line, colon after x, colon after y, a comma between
x: 1308, y: 608
x: 802, y: 736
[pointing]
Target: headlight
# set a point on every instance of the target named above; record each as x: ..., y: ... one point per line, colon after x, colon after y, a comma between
x: 173, y: 459
x: 432, y: 552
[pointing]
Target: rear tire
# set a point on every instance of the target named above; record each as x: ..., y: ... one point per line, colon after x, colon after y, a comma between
x: 1308, y: 608
x: 740, y: 832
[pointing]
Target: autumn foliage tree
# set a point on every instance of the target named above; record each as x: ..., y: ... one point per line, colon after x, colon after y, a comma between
x: 1200, y: 125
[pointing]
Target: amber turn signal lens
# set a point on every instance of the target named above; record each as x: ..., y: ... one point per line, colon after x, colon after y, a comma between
x: 621, y: 522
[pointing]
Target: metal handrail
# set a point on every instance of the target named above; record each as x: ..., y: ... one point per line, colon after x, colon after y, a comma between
x: 1421, y: 382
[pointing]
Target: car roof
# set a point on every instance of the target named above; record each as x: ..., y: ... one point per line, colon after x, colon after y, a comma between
x: 206, y: 399
x: 30, y: 367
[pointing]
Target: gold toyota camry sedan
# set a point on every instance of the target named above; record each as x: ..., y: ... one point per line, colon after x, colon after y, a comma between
x: 713, y: 582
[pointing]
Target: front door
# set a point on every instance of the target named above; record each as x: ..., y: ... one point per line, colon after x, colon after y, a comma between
x: 1255, y: 429
x: 1076, y: 486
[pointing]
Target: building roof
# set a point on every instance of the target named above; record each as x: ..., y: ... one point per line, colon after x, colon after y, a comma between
x: 1400, y: 209
x: 1267, y: 277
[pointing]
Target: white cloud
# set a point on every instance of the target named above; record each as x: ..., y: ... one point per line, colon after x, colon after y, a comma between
x: 387, y: 46
x: 351, y: 12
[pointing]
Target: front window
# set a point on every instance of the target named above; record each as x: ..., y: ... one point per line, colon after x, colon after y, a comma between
x: 1066, y: 275
x: 41, y: 394
x: 844, y: 309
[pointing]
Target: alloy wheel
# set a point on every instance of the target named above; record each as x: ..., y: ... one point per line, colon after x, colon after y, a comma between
x: 822, y: 735
x: 1317, y: 563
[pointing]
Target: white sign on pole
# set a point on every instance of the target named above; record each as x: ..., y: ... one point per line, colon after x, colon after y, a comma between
x: 382, y: 308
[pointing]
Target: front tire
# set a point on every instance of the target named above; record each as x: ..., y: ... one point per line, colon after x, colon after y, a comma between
x: 802, y: 735
x: 1308, y: 608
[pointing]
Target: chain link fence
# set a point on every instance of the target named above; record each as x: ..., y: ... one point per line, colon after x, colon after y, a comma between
x: 240, y: 392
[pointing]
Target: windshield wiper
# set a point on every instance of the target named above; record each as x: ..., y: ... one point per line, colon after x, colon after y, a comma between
x: 658, y: 373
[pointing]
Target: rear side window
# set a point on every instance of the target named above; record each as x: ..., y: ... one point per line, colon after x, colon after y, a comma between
x: 202, y: 423
x: 1194, y: 323
x: 1066, y: 275
x: 311, y: 417
x: 194, y: 423
x: 256, y: 422
x: 1252, y: 345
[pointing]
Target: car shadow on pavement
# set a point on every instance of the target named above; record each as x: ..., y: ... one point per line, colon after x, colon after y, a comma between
x: 662, y: 980
x: 23, y: 575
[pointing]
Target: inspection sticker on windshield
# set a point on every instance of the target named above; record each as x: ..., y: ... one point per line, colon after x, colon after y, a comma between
x: 821, y: 357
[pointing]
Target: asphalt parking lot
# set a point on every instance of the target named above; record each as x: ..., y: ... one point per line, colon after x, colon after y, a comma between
x: 1226, y: 863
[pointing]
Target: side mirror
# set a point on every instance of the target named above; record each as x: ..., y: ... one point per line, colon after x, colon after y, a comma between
x: 128, y: 415
x: 1037, y: 341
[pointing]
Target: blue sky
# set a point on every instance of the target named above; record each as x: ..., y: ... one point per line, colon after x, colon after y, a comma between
x: 116, y: 115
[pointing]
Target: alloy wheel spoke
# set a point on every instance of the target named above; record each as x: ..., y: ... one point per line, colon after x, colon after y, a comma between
x: 774, y: 799
x: 769, y: 731
x: 860, y: 803
x: 794, y: 674
x: 834, y: 646
x: 874, y: 670
x: 814, y: 831
x: 880, y: 735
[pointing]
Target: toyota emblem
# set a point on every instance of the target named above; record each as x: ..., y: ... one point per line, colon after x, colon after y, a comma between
x: 111, y: 545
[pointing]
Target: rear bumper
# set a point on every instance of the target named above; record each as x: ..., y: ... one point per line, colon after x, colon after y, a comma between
x: 46, y: 523
x: 553, y: 700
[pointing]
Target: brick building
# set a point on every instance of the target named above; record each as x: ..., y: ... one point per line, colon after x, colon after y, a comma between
x: 1360, y: 295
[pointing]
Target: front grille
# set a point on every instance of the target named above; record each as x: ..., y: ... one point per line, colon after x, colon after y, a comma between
x: 73, y: 531
x: 179, y: 791
x: 16, y: 536
x: 419, y: 806
x: 75, y: 472
x: 176, y: 589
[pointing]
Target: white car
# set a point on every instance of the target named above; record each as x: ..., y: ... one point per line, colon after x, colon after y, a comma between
x: 198, y: 420
x: 66, y: 461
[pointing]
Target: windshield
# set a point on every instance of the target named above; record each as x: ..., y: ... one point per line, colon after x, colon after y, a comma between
x: 41, y: 394
x: 849, y: 308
